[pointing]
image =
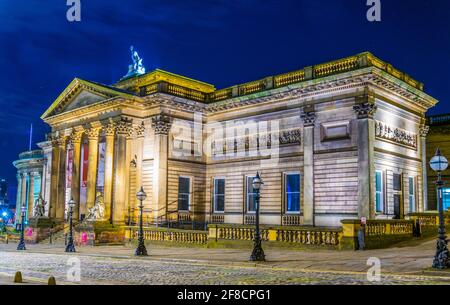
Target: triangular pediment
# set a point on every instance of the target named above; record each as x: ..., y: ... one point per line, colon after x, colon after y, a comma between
x: 80, y: 93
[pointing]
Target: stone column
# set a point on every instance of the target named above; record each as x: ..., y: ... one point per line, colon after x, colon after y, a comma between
x: 23, y: 196
x: 61, y: 197
x: 54, y: 179
x: 75, y: 140
x: 92, y: 134
x: 161, y: 124
x: 308, y: 118
x: 140, y: 133
x: 30, y: 196
x: 423, y: 146
x: 124, y: 130
x: 110, y: 130
x: 19, y: 197
x: 365, y: 109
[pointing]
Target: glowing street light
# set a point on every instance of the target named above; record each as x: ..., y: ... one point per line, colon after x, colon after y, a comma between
x: 141, y: 250
x: 258, y: 252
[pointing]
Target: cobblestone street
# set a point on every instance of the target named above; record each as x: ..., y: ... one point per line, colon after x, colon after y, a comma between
x: 100, y: 266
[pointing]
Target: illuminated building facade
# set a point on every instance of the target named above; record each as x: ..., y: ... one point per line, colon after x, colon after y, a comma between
x: 438, y: 137
x: 340, y: 140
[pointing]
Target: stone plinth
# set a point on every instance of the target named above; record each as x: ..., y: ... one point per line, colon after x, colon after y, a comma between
x: 39, y: 229
x: 93, y: 233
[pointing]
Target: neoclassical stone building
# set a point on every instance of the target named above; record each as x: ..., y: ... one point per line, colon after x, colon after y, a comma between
x: 340, y: 140
x: 30, y: 179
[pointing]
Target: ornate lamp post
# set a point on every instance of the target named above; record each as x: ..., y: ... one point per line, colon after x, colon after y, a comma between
x: 258, y: 252
x: 439, y: 163
x: 21, y: 245
x: 70, y: 245
x: 141, y: 250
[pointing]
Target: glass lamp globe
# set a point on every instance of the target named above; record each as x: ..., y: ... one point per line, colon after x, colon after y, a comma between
x: 141, y: 195
x: 23, y: 209
x: 72, y: 203
x: 257, y: 182
x: 438, y: 163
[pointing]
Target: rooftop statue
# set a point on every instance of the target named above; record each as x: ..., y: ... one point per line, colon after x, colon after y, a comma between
x: 137, y: 68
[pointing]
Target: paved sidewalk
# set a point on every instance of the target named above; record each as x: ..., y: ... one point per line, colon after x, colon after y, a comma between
x: 413, y: 259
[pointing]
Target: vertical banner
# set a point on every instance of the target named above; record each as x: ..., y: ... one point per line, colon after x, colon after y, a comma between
x: 85, y: 165
x: 69, y: 168
x: 101, y: 167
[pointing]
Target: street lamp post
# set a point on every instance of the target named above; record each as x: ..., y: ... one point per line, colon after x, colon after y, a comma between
x: 21, y: 245
x: 258, y: 252
x: 439, y: 163
x: 141, y: 250
x: 70, y: 245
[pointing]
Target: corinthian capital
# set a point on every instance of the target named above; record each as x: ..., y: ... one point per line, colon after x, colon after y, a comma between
x: 110, y: 128
x: 365, y: 110
x: 76, y: 135
x: 93, y: 132
x: 125, y: 127
x: 161, y: 124
x: 140, y: 130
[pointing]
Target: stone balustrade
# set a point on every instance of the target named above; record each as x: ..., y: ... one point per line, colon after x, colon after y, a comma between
x: 294, y: 236
x: 351, y: 63
x: 168, y: 235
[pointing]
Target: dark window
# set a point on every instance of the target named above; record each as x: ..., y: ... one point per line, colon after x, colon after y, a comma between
x: 292, y: 182
x: 184, y: 193
x: 219, y: 195
x: 251, y: 195
x: 397, y: 182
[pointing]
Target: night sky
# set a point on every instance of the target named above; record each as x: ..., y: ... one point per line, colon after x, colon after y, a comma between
x: 223, y: 42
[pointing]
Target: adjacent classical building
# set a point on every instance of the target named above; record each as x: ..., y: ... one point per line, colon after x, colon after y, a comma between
x: 438, y: 137
x: 340, y: 140
x: 30, y: 179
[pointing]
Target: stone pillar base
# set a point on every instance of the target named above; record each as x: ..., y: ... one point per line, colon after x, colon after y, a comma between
x: 94, y: 233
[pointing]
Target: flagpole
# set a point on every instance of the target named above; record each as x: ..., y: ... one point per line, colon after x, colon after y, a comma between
x: 31, y: 136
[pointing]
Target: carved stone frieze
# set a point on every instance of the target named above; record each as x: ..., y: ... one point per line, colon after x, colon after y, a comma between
x: 396, y: 135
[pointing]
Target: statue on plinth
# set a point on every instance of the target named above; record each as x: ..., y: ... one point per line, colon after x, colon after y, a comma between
x: 137, y: 68
x: 97, y: 212
x: 39, y: 207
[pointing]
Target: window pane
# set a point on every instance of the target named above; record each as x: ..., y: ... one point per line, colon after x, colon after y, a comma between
x: 397, y: 182
x: 293, y: 183
x: 446, y: 198
x: 293, y: 202
x: 219, y: 186
x: 219, y: 203
x: 250, y: 184
x: 251, y: 207
x: 411, y: 186
x: 183, y: 202
x: 183, y: 185
x: 378, y: 181
x: 378, y: 202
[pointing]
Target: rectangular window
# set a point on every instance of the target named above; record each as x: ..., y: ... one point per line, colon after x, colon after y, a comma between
x: 412, y: 194
x: 292, y: 193
x: 251, y: 195
x: 397, y: 183
x: 184, y: 193
x: 446, y: 198
x: 379, y: 192
x: 219, y: 195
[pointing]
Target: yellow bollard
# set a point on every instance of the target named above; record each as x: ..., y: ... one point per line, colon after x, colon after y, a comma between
x: 18, y: 277
x: 52, y: 280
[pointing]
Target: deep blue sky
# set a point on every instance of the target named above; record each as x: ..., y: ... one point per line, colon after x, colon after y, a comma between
x: 223, y: 42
